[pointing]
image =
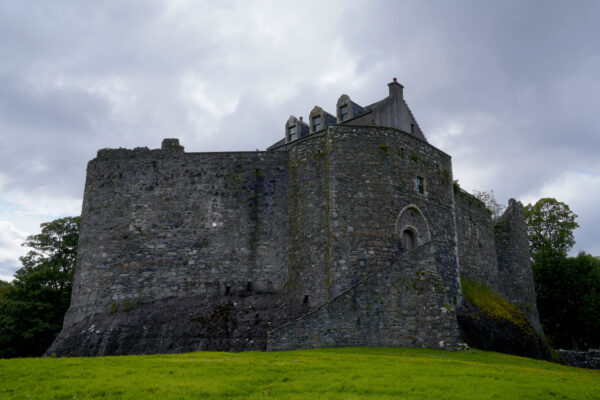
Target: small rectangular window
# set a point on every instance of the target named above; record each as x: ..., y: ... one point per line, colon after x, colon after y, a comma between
x: 412, y: 128
x: 290, y: 132
x: 420, y: 185
x: 344, y: 112
x: 317, y: 123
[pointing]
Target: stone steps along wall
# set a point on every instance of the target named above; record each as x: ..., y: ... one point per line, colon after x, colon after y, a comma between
x: 372, y: 179
x: 346, y: 190
x: 405, y: 304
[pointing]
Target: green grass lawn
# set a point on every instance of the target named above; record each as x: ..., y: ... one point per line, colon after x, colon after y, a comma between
x: 344, y: 373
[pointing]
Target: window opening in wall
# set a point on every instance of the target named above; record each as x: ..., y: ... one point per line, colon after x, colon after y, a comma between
x: 305, y: 299
x: 412, y: 128
x: 409, y: 239
x: 290, y: 130
x: 227, y: 289
x: 420, y: 183
x: 317, y: 123
x: 249, y: 287
x: 344, y: 112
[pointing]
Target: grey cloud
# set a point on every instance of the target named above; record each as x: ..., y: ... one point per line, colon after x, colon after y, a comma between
x: 7, y: 269
x: 521, y: 78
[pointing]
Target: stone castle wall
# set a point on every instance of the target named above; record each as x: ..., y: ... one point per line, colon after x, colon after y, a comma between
x: 325, y: 225
x: 348, y: 189
x: 307, y: 218
x: 404, y: 304
x: 164, y: 223
x: 514, y: 264
x: 372, y: 179
x: 477, y: 246
x: 496, y: 253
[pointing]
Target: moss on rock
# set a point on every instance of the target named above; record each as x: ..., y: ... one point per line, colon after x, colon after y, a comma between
x: 488, y: 322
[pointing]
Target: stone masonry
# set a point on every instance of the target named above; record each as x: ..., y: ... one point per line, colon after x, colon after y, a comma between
x: 347, y: 232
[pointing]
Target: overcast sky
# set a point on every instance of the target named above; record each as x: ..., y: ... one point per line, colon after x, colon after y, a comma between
x: 511, y: 90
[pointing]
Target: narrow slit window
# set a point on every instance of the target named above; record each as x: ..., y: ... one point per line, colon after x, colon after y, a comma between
x: 420, y: 183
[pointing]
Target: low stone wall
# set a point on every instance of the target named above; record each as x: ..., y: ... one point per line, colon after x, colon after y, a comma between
x: 581, y: 359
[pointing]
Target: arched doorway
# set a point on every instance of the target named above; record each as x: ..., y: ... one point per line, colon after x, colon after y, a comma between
x: 409, y: 239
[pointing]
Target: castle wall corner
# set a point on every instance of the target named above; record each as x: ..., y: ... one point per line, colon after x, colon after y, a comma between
x: 514, y: 264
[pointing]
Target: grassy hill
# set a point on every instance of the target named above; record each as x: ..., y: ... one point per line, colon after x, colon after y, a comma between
x: 343, y: 373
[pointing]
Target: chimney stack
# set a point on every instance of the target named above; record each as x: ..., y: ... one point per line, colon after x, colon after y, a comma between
x: 396, y: 89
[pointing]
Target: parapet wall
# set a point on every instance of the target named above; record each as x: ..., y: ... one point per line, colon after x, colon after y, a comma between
x: 164, y: 223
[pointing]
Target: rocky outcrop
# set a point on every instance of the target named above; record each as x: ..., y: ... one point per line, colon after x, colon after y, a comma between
x: 218, y: 323
x: 488, y: 322
x: 486, y: 332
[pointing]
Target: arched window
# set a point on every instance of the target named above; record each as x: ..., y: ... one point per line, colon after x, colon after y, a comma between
x: 412, y: 228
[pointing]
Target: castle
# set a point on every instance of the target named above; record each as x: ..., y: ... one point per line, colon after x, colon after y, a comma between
x: 347, y: 232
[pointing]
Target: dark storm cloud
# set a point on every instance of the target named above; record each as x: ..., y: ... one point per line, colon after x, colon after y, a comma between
x: 509, y: 89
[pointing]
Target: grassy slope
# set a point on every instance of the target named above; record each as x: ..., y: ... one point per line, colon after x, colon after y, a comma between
x: 348, y: 373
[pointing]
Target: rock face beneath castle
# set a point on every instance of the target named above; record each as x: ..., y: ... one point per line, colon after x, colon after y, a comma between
x: 348, y: 232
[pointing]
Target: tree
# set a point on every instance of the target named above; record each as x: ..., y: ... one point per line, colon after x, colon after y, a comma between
x: 32, y: 307
x: 490, y: 202
x: 550, y: 225
x: 568, y: 298
x: 568, y: 288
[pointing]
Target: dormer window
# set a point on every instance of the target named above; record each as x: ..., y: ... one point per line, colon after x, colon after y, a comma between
x: 290, y: 132
x: 320, y: 119
x: 317, y: 123
x: 344, y: 112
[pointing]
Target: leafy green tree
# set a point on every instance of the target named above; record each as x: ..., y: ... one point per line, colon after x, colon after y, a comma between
x: 568, y: 288
x: 568, y: 297
x: 550, y: 225
x: 32, y: 307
